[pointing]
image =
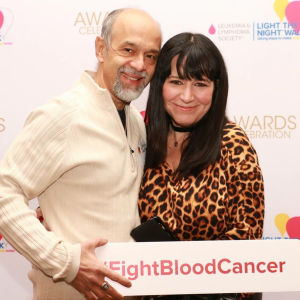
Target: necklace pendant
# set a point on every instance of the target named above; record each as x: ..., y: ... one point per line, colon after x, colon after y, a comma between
x: 175, y: 144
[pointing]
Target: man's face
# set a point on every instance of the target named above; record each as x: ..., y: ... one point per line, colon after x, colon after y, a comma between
x: 129, y: 62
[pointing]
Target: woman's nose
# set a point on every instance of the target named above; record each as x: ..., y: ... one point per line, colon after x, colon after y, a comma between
x: 187, y: 94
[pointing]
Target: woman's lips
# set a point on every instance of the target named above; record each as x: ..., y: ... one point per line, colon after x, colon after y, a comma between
x: 186, y: 108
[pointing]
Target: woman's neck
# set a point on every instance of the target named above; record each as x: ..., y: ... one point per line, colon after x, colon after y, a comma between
x: 175, y: 146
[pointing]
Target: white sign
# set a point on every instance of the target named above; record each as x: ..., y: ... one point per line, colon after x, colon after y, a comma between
x: 203, y: 267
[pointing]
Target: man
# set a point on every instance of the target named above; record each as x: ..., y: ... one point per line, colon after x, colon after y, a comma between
x: 84, y: 163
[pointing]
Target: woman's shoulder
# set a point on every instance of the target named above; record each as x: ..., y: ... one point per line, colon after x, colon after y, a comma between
x: 233, y: 132
x: 235, y: 139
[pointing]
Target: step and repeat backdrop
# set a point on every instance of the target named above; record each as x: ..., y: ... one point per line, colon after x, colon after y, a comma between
x: 45, y: 45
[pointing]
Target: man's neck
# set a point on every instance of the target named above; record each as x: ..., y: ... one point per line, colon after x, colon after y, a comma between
x: 118, y: 103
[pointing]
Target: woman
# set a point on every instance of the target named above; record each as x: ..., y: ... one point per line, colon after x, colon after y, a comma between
x: 202, y: 176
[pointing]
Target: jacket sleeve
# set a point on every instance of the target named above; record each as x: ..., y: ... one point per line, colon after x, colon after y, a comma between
x: 34, y: 161
x: 245, y: 188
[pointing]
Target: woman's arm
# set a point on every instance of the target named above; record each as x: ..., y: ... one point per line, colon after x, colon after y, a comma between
x: 245, y: 187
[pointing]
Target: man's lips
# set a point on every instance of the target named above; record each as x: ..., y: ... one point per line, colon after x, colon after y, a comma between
x: 132, y: 77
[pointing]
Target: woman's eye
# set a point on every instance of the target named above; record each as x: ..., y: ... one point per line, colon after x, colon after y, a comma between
x: 176, y: 82
x: 201, y: 84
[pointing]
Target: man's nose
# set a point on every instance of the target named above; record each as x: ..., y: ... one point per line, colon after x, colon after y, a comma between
x: 138, y: 63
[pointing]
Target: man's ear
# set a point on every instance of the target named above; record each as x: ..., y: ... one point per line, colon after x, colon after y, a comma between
x: 100, y: 48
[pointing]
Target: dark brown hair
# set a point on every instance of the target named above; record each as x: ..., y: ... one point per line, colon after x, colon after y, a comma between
x: 198, y: 57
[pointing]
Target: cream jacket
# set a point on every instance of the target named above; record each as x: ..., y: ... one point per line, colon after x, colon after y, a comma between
x: 74, y: 155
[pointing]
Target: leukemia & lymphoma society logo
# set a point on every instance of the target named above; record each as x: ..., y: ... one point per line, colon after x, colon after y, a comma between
x: 6, y: 20
x: 90, y: 23
x: 284, y: 26
x: 5, y: 246
x: 275, y: 127
x: 231, y: 32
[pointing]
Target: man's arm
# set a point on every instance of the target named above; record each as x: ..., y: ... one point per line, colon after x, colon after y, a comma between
x: 85, y: 281
x: 33, y: 163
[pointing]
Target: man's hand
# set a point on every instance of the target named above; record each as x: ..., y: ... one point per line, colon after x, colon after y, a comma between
x: 92, y: 273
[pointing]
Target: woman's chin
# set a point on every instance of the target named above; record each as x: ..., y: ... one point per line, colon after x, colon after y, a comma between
x: 184, y: 124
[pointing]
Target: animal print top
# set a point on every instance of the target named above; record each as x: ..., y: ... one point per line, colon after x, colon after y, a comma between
x: 224, y: 202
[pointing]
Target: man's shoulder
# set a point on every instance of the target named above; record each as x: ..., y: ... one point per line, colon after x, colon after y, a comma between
x: 58, y: 110
x: 68, y: 100
x: 65, y: 104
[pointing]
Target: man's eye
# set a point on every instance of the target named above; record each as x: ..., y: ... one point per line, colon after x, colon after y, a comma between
x: 150, y: 59
x: 151, y: 56
x: 128, y: 50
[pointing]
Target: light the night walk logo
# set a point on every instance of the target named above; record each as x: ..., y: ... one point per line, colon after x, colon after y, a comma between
x: 284, y: 26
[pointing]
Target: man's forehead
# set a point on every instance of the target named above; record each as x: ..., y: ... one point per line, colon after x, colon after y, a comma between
x: 135, y: 27
x: 134, y: 15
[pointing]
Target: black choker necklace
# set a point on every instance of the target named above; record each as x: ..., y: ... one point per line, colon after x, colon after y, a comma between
x: 182, y: 129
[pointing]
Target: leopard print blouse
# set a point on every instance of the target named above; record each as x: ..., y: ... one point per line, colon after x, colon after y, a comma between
x: 224, y: 202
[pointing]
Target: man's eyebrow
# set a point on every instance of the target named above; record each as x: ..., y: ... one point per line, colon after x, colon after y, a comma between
x: 154, y: 51
x: 127, y: 43
x: 131, y: 44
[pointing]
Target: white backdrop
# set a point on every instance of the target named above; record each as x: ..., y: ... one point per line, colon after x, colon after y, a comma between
x: 45, y: 45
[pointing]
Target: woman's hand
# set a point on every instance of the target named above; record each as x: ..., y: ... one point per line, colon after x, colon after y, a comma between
x: 39, y: 215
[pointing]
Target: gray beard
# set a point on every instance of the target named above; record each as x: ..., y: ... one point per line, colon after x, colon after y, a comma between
x: 127, y: 93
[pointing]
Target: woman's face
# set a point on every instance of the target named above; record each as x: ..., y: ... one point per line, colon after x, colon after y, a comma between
x: 186, y: 101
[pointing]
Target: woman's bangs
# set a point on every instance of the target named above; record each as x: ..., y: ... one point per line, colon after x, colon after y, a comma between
x: 195, y: 63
